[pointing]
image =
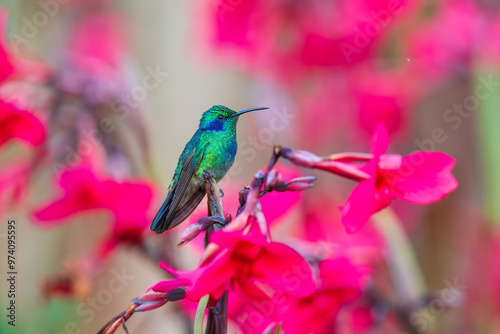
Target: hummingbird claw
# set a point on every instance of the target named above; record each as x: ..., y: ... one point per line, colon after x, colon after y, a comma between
x: 221, y: 192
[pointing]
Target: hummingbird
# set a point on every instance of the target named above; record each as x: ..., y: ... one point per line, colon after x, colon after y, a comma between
x: 212, y: 148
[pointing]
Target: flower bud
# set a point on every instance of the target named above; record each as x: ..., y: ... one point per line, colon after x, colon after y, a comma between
x: 160, y: 293
x: 157, y: 300
x: 300, y: 158
x: 343, y: 169
x: 201, y: 225
x: 300, y: 183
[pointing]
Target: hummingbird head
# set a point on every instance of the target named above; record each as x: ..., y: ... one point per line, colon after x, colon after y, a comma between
x: 220, y: 118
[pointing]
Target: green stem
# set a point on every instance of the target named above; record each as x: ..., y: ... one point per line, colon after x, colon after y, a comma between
x: 406, y: 274
x: 489, y: 140
x: 200, y: 313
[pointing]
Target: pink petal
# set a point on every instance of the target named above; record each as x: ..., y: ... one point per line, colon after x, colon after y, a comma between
x: 241, y: 245
x: 20, y: 124
x: 6, y: 67
x: 276, y: 205
x: 285, y: 269
x: 127, y: 200
x: 359, y: 206
x: 166, y: 286
x: 227, y: 239
x: 212, y: 278
x: 97, y: 45
x: 256, y: 298
x: 377, y: 106
x: 139, y: 194
x: 390, y: 162
x: 424, y: 177
x: 243, y: 315
x: 340, y: 273
x: 84, y: 191
x: 52, y: 213
x: 30, y: 129
x: 70, y: 178
x: 380, y: 140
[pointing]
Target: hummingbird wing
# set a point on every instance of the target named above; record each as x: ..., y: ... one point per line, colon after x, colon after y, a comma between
x: 170, y: 214
x: 191, y: 204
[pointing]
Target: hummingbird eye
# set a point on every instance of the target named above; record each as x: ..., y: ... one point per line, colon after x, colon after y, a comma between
x: 220, y: 117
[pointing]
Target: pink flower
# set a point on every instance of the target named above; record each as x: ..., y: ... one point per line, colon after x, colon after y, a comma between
x: 433, y: 50
x: 338, y: 282
x: 97, y: 46
x: 247, y: 318
x: 286, y: 40
x: 382, y: 97
x: 238, y: 262
x: 366, y: 248
x: 83, y: 191
x: 6, y: 67
x: 338, y: 285
x: 20, y: 124
x: 160, y: 293
x: 420, y: 178
x: 95, y: 58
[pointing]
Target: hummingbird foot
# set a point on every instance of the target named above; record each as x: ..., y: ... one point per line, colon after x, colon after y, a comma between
x: 215, y: 220
x: 221, y: 192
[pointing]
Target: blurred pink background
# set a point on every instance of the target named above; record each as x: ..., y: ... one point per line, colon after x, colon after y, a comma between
x: 118, y: 88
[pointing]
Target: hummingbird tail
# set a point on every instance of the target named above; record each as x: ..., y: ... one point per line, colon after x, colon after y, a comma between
x: 159, y: 224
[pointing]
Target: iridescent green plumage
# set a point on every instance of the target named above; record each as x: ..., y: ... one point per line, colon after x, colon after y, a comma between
x: 212, y: 148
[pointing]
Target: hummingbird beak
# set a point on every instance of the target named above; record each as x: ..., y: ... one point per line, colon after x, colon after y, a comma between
x: 247, y: 110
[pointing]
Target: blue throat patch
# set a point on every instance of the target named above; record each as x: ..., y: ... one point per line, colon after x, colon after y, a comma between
x: 214, y: 125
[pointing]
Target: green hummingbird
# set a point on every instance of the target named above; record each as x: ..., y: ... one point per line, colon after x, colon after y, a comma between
x: 212, y: 148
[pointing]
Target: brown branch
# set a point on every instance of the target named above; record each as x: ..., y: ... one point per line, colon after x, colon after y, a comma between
x: 213, y: 194
x: 217, y: 316
x: 120, y: 319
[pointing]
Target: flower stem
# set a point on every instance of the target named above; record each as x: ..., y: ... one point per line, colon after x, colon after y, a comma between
x: 200, y: 312
x: 115, y: 323
x: 408, y: 279
x: 489, y: 139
